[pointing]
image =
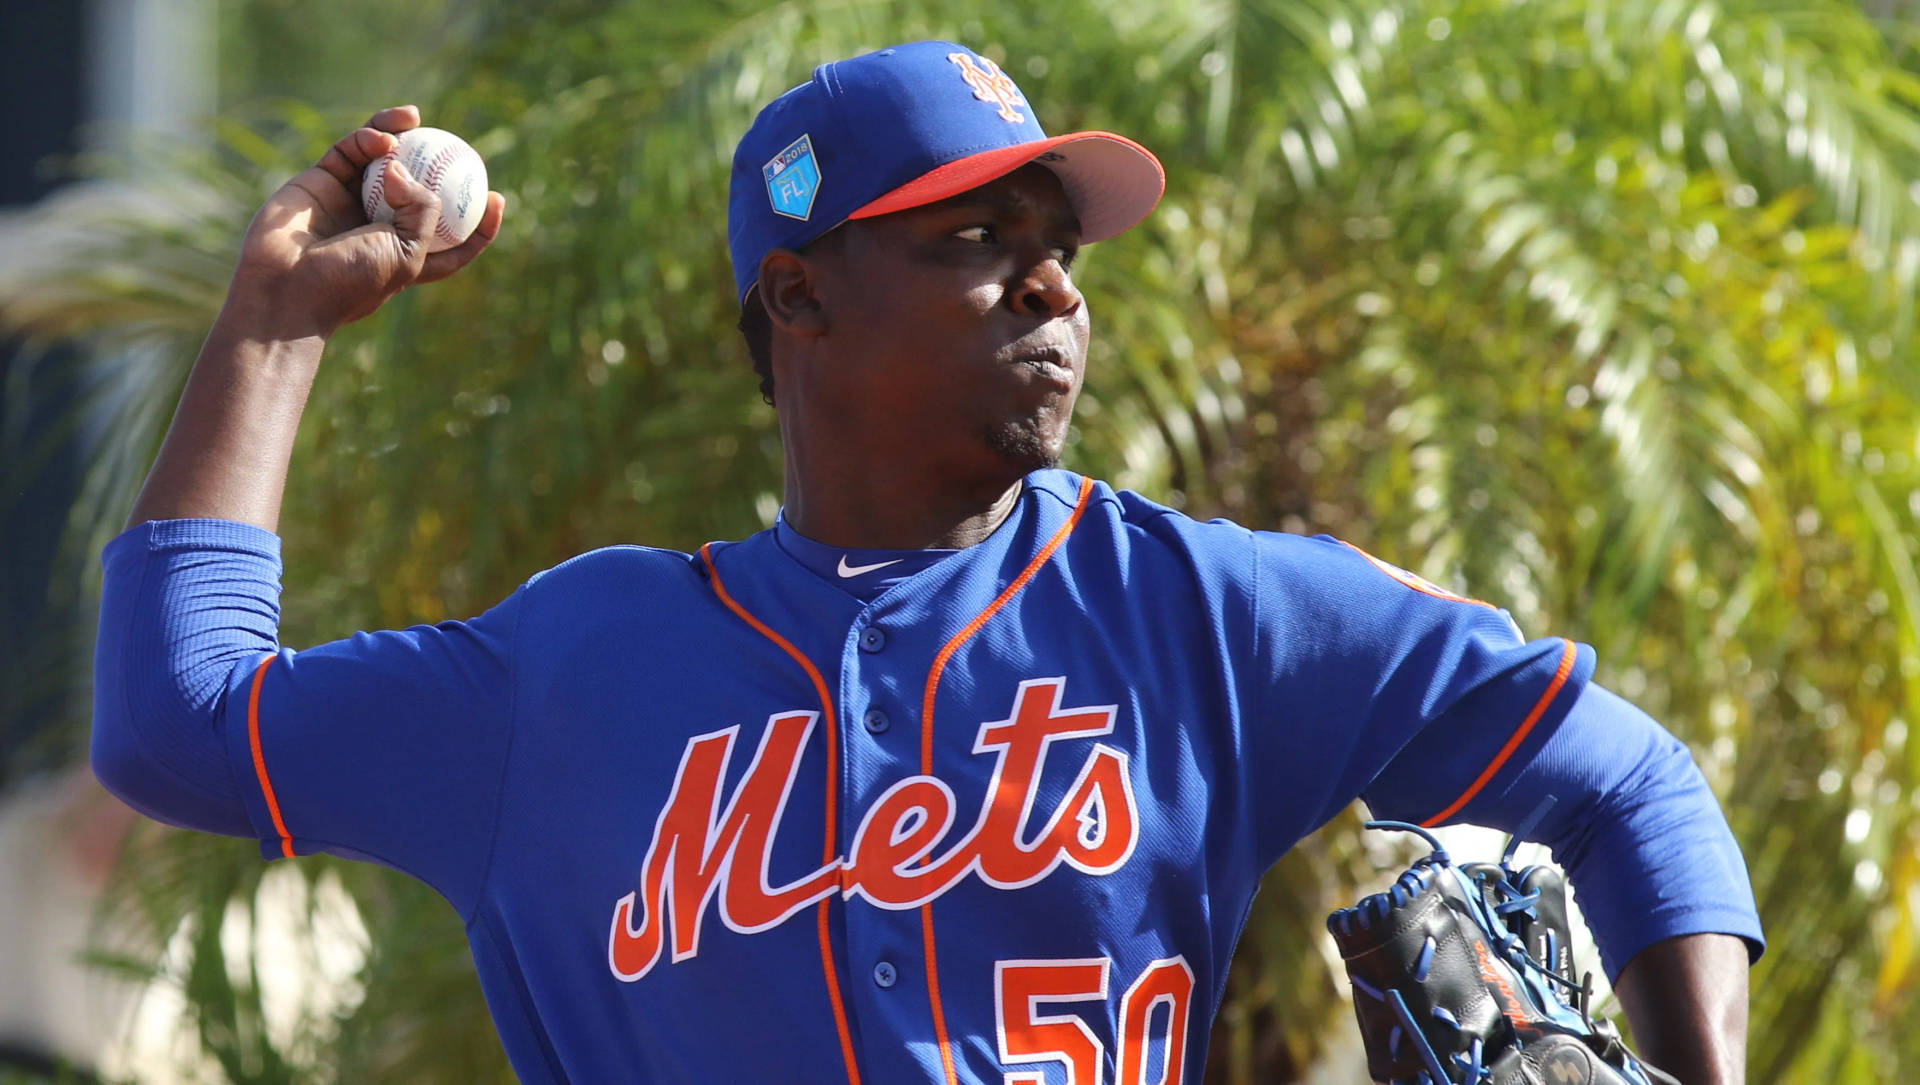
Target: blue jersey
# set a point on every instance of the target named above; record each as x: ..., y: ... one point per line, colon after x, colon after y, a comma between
x: 1005, y: 817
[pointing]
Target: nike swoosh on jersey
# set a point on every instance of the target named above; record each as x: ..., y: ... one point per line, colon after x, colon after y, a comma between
x: 846, y: 570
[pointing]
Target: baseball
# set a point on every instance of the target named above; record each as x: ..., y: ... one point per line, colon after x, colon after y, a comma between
x: 444, y: 163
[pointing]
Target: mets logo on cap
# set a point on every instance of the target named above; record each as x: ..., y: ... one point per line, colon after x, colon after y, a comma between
x: 991, y: 85
x: 793, y: 179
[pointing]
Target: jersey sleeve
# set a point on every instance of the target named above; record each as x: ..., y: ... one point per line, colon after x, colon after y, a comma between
x: 1434, y: 709
x: 1624, y: 809
x: 1376, y: 683
x: 386, y: 746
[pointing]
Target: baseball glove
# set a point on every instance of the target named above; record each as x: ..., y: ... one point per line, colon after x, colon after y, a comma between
x: 1464, y: 975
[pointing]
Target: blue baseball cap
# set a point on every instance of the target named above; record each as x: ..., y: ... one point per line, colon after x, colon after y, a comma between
x: 909, y: 126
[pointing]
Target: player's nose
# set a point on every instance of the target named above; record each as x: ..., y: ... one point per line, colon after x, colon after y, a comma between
x: 1045, y: 289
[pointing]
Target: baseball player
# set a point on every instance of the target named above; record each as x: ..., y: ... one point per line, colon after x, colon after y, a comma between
x: 964, y: 771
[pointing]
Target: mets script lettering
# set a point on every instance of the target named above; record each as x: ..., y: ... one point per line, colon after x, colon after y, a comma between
x: 706, y: 845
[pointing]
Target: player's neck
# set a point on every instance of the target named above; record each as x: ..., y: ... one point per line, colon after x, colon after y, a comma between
x: 890, y: 510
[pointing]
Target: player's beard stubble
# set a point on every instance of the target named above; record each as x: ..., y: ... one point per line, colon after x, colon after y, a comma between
x: 1021, y: 445
x: 1032, y: 439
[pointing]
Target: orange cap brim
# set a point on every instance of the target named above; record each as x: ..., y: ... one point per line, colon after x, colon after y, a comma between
x: 1112, y: 182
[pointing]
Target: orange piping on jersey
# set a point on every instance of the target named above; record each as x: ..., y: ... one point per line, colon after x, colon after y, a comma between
x: 1417, y: 583
x: 1567, y: 656
x: 833, y: 759
x: 980, y: 619
x: 926, y: 746
x: 260, y: 761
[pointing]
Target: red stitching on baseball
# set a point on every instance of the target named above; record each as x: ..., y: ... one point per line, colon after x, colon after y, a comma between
x: 376, y: 191
x: 372, y: 198
x: 434, y: 169
x: 438, y: 165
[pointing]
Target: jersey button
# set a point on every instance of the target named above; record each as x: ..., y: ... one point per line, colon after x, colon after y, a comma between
x: 872, y: 640
x: 884, y: 975
x: 876, y: 720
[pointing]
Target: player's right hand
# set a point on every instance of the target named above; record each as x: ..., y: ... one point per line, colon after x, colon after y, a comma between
x: 311, y: 262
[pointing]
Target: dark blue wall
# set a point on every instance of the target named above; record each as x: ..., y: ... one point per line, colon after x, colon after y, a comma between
x: 42, y: 45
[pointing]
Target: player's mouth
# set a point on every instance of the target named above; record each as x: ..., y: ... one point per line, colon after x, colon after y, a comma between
x: 1050, y: 364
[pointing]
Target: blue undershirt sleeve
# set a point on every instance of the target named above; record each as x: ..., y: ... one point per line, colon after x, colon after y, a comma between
x: 387, y: 746
x: 183, y: 604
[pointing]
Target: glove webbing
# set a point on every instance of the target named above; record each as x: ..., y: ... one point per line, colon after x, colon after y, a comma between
x: 1447, y: 993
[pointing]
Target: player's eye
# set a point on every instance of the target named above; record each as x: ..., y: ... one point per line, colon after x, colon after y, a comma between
x: 986, y: 235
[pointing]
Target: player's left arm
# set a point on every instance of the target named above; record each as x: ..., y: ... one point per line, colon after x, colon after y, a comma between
x: 1435, y: 710
x: 1652, y: 861
x: 1686, y: 1000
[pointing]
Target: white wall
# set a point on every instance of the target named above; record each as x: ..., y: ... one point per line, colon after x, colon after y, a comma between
x: 58, y: 838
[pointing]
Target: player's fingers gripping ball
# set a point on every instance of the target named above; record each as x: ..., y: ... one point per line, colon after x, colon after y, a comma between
x: 445, y: 164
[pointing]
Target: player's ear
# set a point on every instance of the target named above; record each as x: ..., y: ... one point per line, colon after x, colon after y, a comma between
x: 787, y: 290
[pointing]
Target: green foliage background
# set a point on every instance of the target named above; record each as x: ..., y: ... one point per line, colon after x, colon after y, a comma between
x: 1604, y: 311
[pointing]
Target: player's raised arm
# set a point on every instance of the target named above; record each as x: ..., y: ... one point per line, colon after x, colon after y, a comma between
x: 201, y: 719
x: 310, y: 264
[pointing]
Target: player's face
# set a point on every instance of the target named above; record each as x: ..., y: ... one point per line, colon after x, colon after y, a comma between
x: 964, y: 322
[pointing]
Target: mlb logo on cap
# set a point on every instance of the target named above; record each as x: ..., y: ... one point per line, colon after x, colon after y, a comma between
x: 905, y: 127
x: 793, y: 179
